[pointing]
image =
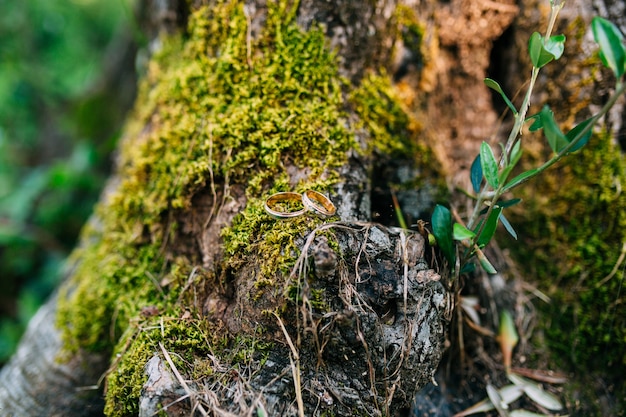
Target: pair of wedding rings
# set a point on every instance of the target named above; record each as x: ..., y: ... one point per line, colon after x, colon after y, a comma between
x: 280, y: 205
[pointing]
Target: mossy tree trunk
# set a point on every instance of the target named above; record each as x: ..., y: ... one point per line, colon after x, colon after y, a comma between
x: 186, y: 295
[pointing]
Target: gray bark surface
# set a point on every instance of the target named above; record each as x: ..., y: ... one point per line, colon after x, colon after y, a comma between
x: 381, y: 340
x: 37, y: 382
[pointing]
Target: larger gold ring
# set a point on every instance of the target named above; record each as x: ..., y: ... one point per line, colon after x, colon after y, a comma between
x: 318, y: 203
x: 286, y: 197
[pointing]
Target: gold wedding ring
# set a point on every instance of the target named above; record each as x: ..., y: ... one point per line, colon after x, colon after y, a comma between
x: 280, y: 205
x: 287, y: 199
x: 318, y: 203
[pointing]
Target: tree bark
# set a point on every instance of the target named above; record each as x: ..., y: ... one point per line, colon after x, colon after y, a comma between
x: 211, y: 307
x: 35, y: 382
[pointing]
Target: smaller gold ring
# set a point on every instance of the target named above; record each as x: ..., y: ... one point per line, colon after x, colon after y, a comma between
x: 318, y: 203
x: 270, y: 205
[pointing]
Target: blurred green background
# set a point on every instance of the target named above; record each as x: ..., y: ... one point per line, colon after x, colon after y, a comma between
x: 67, y: 78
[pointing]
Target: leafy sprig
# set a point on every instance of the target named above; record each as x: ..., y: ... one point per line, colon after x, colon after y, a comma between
x: 490, y: 175
x: 460, y: 242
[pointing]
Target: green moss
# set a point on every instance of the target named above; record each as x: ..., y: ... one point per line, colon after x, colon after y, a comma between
x: 392, y: 129
x: 573, y: 229
x: 187, y: 342
x: 411, y: 31
x: 216, y: 106
x: 113, y: 280
x: 186, y: 338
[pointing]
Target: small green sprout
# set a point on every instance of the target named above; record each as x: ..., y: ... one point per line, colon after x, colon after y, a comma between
x: 507, y: 338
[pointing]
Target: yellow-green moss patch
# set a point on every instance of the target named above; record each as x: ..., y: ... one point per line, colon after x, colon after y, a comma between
x: 188, y: 341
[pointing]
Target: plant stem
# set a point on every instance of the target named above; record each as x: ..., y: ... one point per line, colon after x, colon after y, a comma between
x: 514, y: 136
x: 516, y: 132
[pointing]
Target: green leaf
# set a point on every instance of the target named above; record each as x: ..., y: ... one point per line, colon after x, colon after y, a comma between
x: 609, y: 38
x: 490, y: 227
x: 535, y: 47
x: 504, y: 174
x: 476, y: 174
x: 516, y: 153
x: 521, y: 178
x: 542, y: 52
x: 536, y: 118
x: 555, y: 45
x: 496, y: 399
x: 507, y: 225
x: 460, y: 232
x: 442, y: 229
x: 484, y: 262
x: 509, y: 203
x: 582, y: 141
x: 508, y: 393
x: 556, y: 138
x: 536, y: 393
x: 489, y: 164
x: 542, y: 397
x: 493, y: 84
